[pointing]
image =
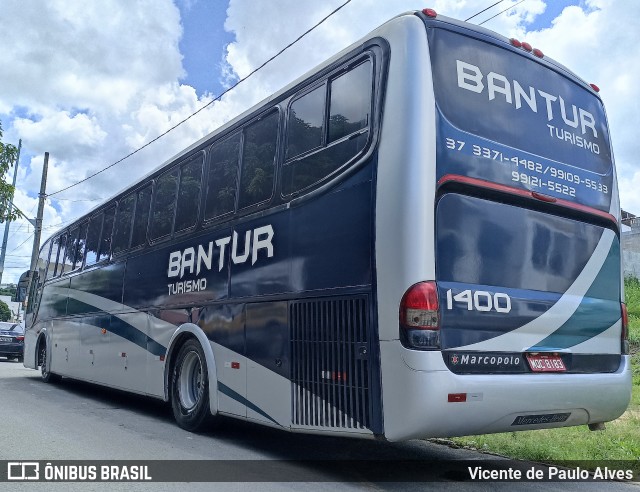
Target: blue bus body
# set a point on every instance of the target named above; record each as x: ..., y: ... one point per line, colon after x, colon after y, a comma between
x: 270, y: 276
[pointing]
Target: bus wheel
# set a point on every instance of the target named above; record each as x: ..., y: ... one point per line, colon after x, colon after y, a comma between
x: 45, y: 374
x: 190, y: 388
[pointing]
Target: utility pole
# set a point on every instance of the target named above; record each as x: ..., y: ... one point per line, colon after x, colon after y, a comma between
x: 38, y: 226
x: 3, y: 250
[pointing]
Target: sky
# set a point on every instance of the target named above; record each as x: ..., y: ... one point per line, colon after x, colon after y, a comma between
x: 90, y: 82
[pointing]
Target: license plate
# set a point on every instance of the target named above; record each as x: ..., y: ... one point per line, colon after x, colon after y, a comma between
x: 545, y: 363
x: 6, y: 339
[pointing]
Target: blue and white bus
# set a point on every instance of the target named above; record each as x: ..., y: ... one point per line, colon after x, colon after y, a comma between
x: 420, y: 237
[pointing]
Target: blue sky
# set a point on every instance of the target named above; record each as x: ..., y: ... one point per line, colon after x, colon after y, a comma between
x: 203, y: 42
x: 92, y: 81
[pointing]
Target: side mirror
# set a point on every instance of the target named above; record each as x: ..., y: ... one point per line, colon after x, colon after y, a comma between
x: 23, y: 285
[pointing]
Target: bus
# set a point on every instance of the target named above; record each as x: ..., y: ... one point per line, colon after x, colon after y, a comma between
x: 418, y: 238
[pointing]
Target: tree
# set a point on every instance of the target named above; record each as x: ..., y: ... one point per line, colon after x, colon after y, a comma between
x: 8, y: 156
x: 5, y: 312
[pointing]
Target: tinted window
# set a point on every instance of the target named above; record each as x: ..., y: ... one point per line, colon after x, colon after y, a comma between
x: 80, y: 246
x: 54, y: 246
x: 350, y: 102
x: 141, y: 219
x: 349, y: 113
x: 258, y: 154
x: 304, y: 128
x: 164, y: 204
x: 43, y: 259
x: 107, y: 230
x: 93, y: 239
x: 60, y: 244
x: 122, y: 231
x: 221, y: 181
x: 189, y: 194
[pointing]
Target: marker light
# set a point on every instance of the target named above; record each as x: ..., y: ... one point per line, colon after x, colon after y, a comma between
x: 527, y: 47
x: 419, y: 318
x: 515, y: 43
x: 595, y: 87
x: 624, y: 335
x: 430, y: 13
x: 538, y: 53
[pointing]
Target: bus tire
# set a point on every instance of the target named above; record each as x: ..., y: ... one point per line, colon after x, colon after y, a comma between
x: 190, y: 388
x: 46, y: 375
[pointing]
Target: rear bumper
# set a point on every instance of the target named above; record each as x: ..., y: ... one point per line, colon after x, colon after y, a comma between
x: 12, y: 350
x: 416, y: 386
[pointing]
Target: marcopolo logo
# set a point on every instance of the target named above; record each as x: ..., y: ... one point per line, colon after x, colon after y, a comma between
x: 485, y: 360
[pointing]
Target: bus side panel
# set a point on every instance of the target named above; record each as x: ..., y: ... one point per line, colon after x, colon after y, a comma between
x: 332, y: 240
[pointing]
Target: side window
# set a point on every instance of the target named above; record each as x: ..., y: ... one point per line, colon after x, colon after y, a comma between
x: 189, y: 194
x: 350, y: 102
x: 122, y: 231
x: 53, y: 257
x: 141, y: 219
x: 71, y: 249
x: 304, y: 126
x: 259, y: 151
x: 61, y: 243
x: 107, y: 230
x: 43, y: 259
x: 93, y: 239
x: 346, y: 127
x: 80, y: 246
x: 164, y: 204
x: 221, y: 179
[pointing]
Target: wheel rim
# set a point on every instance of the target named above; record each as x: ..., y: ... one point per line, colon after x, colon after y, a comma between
x: 43, y: 359
x: 190, y: 381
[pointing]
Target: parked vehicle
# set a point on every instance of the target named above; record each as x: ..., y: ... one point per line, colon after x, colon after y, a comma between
x: 11, y: 341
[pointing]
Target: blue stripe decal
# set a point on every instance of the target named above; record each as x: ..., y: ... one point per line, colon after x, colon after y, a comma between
x: 225, y: 390
x: 598, y: 311
x: 131, y: 333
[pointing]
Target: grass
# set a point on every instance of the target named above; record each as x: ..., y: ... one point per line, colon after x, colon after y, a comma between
x: 619, y: 441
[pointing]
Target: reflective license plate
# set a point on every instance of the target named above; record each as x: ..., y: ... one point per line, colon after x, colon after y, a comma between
x: 545, y: 363
x: 6, y: 339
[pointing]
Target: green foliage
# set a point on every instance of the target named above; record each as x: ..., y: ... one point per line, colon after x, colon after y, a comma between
x: 8, y: 155
x: 5, y: 312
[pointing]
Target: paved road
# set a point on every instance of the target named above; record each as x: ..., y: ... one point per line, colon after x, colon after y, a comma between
x: 75, y: 421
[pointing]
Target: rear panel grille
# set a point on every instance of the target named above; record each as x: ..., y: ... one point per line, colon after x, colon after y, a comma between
x: 330, y: 370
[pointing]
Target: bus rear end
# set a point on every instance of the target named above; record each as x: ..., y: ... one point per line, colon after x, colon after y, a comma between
x: 517, y: 321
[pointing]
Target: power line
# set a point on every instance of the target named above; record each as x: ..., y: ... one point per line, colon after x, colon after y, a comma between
x: 502, y: 12
x: 475, y: 15
x: 205, y: 106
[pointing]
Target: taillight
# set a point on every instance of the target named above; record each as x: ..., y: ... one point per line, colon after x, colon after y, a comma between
x: 419, y: 317
x: 624, y: 336
x: 20, y: 338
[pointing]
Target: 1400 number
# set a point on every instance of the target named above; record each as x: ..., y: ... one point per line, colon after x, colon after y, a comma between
x: 480, y: 300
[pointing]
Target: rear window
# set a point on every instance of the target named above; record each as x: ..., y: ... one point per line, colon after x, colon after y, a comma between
x: 505, y: 116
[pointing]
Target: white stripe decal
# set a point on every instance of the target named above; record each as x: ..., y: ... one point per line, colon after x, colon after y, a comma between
x: 607, y: 342
x: 530, y: 334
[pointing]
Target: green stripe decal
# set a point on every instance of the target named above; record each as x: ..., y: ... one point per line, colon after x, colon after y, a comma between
x: 598, y: 310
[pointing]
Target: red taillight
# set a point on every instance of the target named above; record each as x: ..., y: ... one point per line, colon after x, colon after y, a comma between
x: 430, y: 13
x: 20, y: 338
x: 419, y: 317
x: 624, y: 335
x: 595, y: 87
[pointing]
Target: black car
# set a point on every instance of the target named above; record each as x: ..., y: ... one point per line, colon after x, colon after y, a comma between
x: 11, y: 340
